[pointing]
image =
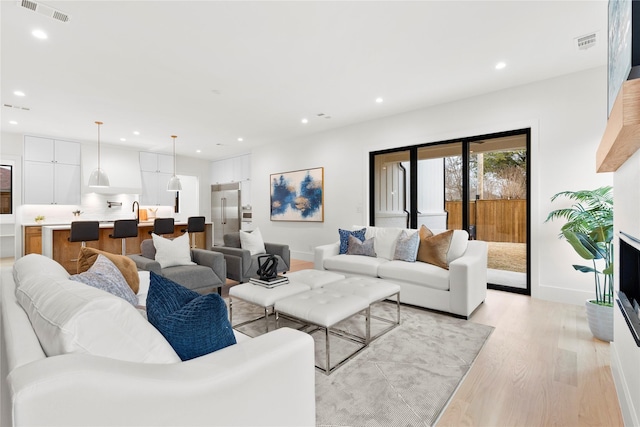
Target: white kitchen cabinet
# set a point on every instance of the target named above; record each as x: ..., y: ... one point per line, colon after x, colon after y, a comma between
x: 154, y: 162
x: 52, y: 172
x: 234, y: 169
x: 156, y: 170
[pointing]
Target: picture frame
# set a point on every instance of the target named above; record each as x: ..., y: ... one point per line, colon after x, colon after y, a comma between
x: 297, y: 195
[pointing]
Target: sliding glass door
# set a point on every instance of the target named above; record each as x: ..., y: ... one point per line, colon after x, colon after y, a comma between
x: 478, y: 184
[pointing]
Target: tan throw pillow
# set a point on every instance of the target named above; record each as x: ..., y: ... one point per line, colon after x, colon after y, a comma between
x: 126, y: 265
x: 433, y: 250
x: 425, y: 232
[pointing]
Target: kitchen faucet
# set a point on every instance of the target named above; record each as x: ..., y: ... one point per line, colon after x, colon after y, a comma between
x: 133, y: 209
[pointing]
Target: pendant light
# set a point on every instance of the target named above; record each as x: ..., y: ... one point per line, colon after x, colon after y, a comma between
x: 98, y: 177
x: 174, y: 182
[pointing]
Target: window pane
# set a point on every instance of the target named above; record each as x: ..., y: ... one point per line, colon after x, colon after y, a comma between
x: 6, y: 188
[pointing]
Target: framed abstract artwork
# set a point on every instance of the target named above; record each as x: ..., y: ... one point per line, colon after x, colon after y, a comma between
x: 298, y: 195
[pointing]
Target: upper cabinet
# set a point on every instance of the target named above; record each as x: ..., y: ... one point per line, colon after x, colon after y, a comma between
x: 235, y: 169
x: 155, y: 171
x: 154, y: 162
x: 51, y: 171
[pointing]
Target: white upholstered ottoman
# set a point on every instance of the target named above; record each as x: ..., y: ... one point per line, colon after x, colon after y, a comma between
x: 325, y: 308
x: 263, y: 297
x: 299, y: 281
x: 374, y: 291
x: 314, y: 278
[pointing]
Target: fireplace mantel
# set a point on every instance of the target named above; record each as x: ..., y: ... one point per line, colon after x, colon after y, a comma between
x: 621, y: 137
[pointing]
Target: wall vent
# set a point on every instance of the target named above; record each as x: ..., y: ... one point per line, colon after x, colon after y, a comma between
x: 17, y: 107
x: 585, y: 42
x: 45, y: 10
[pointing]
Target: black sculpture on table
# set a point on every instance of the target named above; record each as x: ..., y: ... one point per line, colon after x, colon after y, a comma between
x: 267, y: 267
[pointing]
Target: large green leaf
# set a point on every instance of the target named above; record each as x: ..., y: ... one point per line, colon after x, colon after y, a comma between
x: 585, y: 269
x: 583, y: 245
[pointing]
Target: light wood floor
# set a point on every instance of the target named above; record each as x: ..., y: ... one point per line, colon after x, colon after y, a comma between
x: 540, y: 367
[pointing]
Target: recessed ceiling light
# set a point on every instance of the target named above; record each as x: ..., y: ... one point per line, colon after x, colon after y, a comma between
x: 123, y: 139
x: 13, y: 122
x: 304, y: 121
x: 240, y: 139
x: 198, y: 151
x: 39, y: 34
x: 18, y: 93
x: 135, y: 132
x: 500, y: 65
x: 379, y: 100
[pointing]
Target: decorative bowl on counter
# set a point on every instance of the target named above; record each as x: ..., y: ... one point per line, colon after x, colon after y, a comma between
x: 76, y: 213
x: 39, y: 219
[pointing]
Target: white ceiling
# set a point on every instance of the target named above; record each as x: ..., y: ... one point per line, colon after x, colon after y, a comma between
x: 211, y: 72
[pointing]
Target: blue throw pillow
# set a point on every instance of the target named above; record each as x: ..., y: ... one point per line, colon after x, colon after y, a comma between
x: 344, y: 238
x: 193, y: 324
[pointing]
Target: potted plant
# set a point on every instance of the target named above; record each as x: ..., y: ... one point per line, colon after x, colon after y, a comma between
x: 589, y: 230
x: 39, y: 219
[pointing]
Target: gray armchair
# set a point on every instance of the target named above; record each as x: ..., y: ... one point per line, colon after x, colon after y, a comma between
x: 241, y: 265
x: 210, y: 269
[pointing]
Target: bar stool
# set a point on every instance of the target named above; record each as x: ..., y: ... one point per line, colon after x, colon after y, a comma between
x: 195, y: 224
x: 163, y: 226
x: 84, y: 231
x: 123, y: 228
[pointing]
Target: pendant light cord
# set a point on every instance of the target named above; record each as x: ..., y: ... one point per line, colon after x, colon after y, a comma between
x: 174, y: 154
x: 98, y: 123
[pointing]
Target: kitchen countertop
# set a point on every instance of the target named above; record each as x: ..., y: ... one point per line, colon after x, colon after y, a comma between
x: 108, y: 224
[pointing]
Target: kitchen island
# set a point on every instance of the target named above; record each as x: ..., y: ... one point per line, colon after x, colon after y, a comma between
x: 56, y: 244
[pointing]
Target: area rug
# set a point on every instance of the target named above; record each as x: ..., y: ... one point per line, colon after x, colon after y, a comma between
x: 404, y: 378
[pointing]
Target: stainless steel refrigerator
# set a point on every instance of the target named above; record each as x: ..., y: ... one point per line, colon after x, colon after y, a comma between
x: 225, y: 210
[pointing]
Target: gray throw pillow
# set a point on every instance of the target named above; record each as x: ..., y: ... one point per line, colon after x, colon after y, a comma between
x: 358, y: 247
x: 104, y: 275
x: 407, y: 246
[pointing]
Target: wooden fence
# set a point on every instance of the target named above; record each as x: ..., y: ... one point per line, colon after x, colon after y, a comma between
x: 494, y: 220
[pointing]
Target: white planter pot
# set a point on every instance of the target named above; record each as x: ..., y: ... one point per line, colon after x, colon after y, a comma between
x: 600, y: 319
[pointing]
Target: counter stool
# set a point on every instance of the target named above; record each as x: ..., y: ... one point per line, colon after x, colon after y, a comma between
x: 84, y: 231
x: 123, y: 228
x: 163, y: 226
x: 195, y: 224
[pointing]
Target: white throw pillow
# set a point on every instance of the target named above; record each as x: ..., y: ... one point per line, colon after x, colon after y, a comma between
x: 71, y: 317
x: 252, y: 242
x: 172, y: 252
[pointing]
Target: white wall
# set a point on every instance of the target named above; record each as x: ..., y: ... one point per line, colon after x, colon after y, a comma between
x: 567, y: 116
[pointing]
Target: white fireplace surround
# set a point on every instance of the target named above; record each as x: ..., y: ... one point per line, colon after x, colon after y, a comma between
x: 625, y: 354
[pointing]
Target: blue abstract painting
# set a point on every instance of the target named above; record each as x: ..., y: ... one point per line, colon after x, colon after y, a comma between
x: 298, y: 195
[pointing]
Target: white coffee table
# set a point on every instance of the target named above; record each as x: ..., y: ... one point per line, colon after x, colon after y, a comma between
x: 324, y: 308
x: 374, y: 290
x: 263, y: 297
x: 299, y: 281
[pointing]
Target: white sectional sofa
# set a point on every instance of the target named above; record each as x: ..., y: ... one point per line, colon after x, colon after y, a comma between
x: 458, y: 290
x: 268, y: 380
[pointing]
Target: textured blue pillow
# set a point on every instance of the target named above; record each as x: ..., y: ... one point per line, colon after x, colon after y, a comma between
x: 407, y: 246
x: 193, y: 324
x: 344, y: 238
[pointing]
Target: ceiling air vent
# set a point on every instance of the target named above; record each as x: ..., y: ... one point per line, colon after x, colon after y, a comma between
x: 44, y: 10
x: 585, y: 42
x: 17, y: 107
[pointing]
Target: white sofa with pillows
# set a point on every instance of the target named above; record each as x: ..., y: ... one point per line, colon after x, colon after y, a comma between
x: 441, y: 269
x: 75, y: 354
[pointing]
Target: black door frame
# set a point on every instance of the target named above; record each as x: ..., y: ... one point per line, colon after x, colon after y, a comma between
x: 413, y: 191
